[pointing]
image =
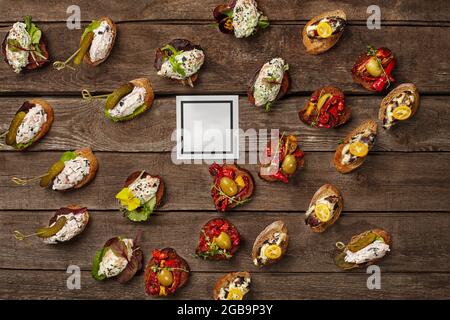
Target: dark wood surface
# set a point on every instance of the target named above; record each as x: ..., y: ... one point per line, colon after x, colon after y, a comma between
x: 403, y: 187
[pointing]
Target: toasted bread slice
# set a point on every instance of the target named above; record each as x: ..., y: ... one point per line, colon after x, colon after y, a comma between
x: 161, y: 188
x: 368, y: 124
x: 266, y: 234
x: 317, y: 46
x: 242, y: 172
x: 87, y: 58
x: 93, y: 166
x: 225, y: 281
x: 325, y: 191
x: 395, y: 92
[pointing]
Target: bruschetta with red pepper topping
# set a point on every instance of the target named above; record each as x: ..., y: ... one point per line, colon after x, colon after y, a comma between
x: 324, y: 209
x: 232, y: 286
x: 232, y: 186
x: 271, y: 244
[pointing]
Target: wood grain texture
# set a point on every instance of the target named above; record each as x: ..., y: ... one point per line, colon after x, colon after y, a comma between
x: 386, y: 182
x: 230, y: 63
x: 268, y: 286
x: 414, y: 248
x: 403, y: 10
x: 79, y: 123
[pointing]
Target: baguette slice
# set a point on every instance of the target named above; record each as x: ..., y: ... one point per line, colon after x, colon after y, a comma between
x: 225, y: 281
x: 93, y: 165
x: 266, y: 234
x: 161, y: 189
x: 368, y: 124
x: 398, y: 90
x: 318, y: 46
x: 87, y: 58
x: 325, y: 191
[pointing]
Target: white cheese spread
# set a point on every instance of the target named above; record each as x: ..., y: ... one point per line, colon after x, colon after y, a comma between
x: 245, y: 18
x: 128, y: 104
x: 268, y: 83
x: 240, y: 283
x: 190, y: 61
x: 101, y: 43
x: 375, y: 250
x: 367, y: 137
x: 74, y: 225
x: 31, y: 124
x: 145, y: 188
x: 17, y: 57
x: 403, y: 99
x: 111, y: 264
x: 73, y: 173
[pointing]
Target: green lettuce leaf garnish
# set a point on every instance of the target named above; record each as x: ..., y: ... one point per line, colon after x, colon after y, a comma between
x: 96, y: 265
x: 68, y: 155
x: 143, y: 212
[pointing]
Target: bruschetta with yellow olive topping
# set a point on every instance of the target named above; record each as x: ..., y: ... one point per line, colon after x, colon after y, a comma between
x: 324, y: 209
x: 141, y: 194
x: 271, y: 244
x: 24, y: 47
x: 30, y: 124
x: 364, y: 249
x: 232, y: 286
x: 353, y: 150
x: 399, y: 105
x: 322, y: 32
x: 270, y: 83
x: 180, y: 60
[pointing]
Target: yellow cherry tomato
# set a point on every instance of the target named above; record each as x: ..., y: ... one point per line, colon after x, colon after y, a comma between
x: 165, y: 277
x: 324, y: 29
x: 228, y: 186
x: 402, y: 112
x: 223, y: 241
x: 322, y: 212
x: 235, y: 294
x: 359, y: 149
x: 273, y: 251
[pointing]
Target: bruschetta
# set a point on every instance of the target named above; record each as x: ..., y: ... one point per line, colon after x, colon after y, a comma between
x: 399, y: 105
x: 282, y: 159
x: 324, y: 209
x: 165, y: 273
x: 232, y: 186
x: 322, y: 32
x: 30, y: 124
x: 269, y: 84
x: 325, y: 109
x: 232, y: 286
x: 241, y: 17
x: 180, y: 60
x: 364, y: 249
x: 353, y: 150
x: 141, y: 194
x: 271, y: 244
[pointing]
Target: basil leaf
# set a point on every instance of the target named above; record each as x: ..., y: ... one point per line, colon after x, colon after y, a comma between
x: 96, y: 265
x: 68, y: 155
x: 90, y: 28
x: 34, y: 32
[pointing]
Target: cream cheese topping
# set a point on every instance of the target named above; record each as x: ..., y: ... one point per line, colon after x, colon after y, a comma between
x: 268, y: 83
x: 190, y: 61
x: 375, y: 250
x: 101, y: 43
x: 144, y: 188
x: 31, y: 124
x: 245, y: 18
x: 128, y: 104
x: 75, y: 224
x: 403, y: 99
x: 73, y: 173
x: 111, y: 264
x: 367, y: 137
x: 16, y: 57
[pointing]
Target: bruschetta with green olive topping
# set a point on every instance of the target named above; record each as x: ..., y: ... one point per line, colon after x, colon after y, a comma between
x: 353, y: 150
x: 120, y: 258
x: 322, y: 32
x: 180, y: 60
x: 30, y: 124
x: 64, y: 225
x: 364, y: 249
x: 232, y: 286
x: 324, y: 209
x: 399, y: 105
x: 270, y: 83
x: 271, y: 244
x: 141, y: 194
x: 24, y: 47
x: 240, y: 17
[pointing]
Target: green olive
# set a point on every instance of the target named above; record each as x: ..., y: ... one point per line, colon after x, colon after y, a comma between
x: 223, y: 241
x: 228, y: 186
x: 373, y: 67
x: 54, y: 170
x: 12, y: 131
x: 84, y: 47
x: 119, y: 93
x: 165, y: 277
x: 47, y: 232
x: 289, y: 165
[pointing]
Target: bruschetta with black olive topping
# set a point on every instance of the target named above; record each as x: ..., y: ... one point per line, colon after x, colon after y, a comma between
x: 364, y: 249
x: 232, y: 286
x: 322, y: 32
x: 271, y: 244
x: 141, y: 194
x: 241, y: 17
x: 24, y: 47
x: 399, y: 105
x: 353, y: 150
x: 270, y: 83
x: 30, y: 124
x: 180, y: 60
x: 324, y: 209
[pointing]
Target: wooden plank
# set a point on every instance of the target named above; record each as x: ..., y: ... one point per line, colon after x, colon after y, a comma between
x: 308, y: 252
x: 270, y: 286
x: 79, y: 124
x: 230, y: 63
x: 378, y: 185
x: 403, y: 10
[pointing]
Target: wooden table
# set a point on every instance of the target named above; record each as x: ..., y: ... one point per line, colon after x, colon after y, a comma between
x: 403, y: 187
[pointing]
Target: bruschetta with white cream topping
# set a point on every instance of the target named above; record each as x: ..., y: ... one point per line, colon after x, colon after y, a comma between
x: 271, y: 244
x: 232, y: 286
x: 324, y: 209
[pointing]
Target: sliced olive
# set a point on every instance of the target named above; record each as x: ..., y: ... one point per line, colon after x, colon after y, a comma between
x: 54, y: 170
x: 119, y: 93
x: 165, y: 277
x: 289, y: 165
x: 373, y: 67
x: 223, y: 241
x: 47, y: 232
x: 362, y: 242
x: 12, y: 132
x: 84, y: 47
x: 228, y: 186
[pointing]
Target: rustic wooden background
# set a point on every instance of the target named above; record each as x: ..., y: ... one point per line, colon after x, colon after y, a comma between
x: 403, y: 187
